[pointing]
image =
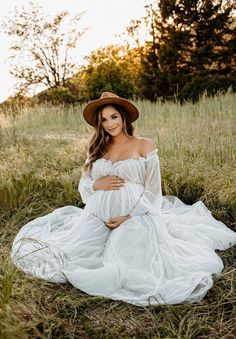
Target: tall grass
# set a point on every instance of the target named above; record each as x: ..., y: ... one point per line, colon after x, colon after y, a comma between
x: 41, y: 151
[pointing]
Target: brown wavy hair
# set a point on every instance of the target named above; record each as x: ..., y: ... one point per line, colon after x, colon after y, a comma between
x: 100, y: 140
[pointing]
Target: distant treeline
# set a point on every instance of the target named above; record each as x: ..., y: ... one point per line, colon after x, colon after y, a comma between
x: 189, y: 48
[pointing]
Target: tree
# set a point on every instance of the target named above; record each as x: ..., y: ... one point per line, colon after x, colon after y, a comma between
x: 42, y: 47
x: 211, y: 27
x: 110, y: 68
x: 189, y: 43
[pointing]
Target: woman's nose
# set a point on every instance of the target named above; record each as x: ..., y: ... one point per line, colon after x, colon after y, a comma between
x: 110, y: 124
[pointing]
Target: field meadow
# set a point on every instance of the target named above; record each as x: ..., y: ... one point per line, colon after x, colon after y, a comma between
x: 42, y: 150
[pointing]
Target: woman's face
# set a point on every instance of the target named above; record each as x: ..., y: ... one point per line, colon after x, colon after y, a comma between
x: 111, y: 120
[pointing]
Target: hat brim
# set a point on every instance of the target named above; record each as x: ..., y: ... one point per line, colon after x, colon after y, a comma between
x: 91, y: 108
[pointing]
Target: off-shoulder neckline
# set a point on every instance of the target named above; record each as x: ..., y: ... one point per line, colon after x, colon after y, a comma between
x: 148, y: 155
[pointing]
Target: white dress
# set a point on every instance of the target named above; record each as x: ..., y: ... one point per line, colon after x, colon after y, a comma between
x: 164, y: 254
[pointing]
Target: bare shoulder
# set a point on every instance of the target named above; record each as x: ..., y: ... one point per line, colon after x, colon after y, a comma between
x: 146, y: 145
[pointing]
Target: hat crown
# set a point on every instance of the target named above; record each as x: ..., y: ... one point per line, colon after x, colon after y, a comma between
x: 108, y: 95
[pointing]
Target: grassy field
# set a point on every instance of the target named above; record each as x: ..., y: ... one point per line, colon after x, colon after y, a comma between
x: 41, y: 153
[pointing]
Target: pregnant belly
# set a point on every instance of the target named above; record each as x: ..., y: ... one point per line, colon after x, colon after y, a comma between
x: 115, y: 203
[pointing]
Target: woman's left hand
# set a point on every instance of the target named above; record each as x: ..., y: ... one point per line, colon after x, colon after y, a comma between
x: 115, y: 222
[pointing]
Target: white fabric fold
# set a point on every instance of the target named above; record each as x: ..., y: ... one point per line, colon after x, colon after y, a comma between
x: 85, y: 187
x: 151, y: 199
x: 151, y: 258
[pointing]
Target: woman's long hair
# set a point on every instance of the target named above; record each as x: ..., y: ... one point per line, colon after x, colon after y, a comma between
x: 100, y: 140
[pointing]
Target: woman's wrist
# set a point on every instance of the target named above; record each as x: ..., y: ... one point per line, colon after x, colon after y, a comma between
x: 93, y: 186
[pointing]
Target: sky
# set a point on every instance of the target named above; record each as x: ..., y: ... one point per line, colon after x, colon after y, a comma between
x: 104, y: 19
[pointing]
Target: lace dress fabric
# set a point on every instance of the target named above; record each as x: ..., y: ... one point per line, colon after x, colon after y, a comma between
x: 163, y: 254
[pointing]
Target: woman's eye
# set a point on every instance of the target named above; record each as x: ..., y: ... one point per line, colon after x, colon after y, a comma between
x: 112, y: 118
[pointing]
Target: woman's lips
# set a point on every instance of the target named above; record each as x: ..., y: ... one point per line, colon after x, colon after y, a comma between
x: 110, y: 130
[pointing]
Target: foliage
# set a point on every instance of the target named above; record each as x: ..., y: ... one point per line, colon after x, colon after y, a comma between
x: 108, y: 69
x: 41, y: 46
x: 188, y: 42
x: 189, y: 49
x: 56, y: 96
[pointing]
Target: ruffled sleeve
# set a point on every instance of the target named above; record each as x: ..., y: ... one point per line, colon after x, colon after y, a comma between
x: 151, y: 199
x: 85, y: 187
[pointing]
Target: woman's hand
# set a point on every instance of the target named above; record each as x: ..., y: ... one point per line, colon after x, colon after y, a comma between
x: 115, y: 222
x: 109, y: 182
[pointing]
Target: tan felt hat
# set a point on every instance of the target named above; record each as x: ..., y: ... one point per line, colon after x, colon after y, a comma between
x: 90, y: 109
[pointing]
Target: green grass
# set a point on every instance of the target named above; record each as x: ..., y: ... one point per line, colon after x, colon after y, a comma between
x: 41, y: 153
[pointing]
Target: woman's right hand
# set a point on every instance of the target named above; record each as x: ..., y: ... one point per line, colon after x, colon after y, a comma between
x: 109, y: 182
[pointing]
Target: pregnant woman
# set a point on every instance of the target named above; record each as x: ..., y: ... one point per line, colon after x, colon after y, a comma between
x: 129, y: 243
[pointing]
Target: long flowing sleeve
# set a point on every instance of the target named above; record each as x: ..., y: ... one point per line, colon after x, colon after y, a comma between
x: 151, y: 199
x: 85, y: 187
